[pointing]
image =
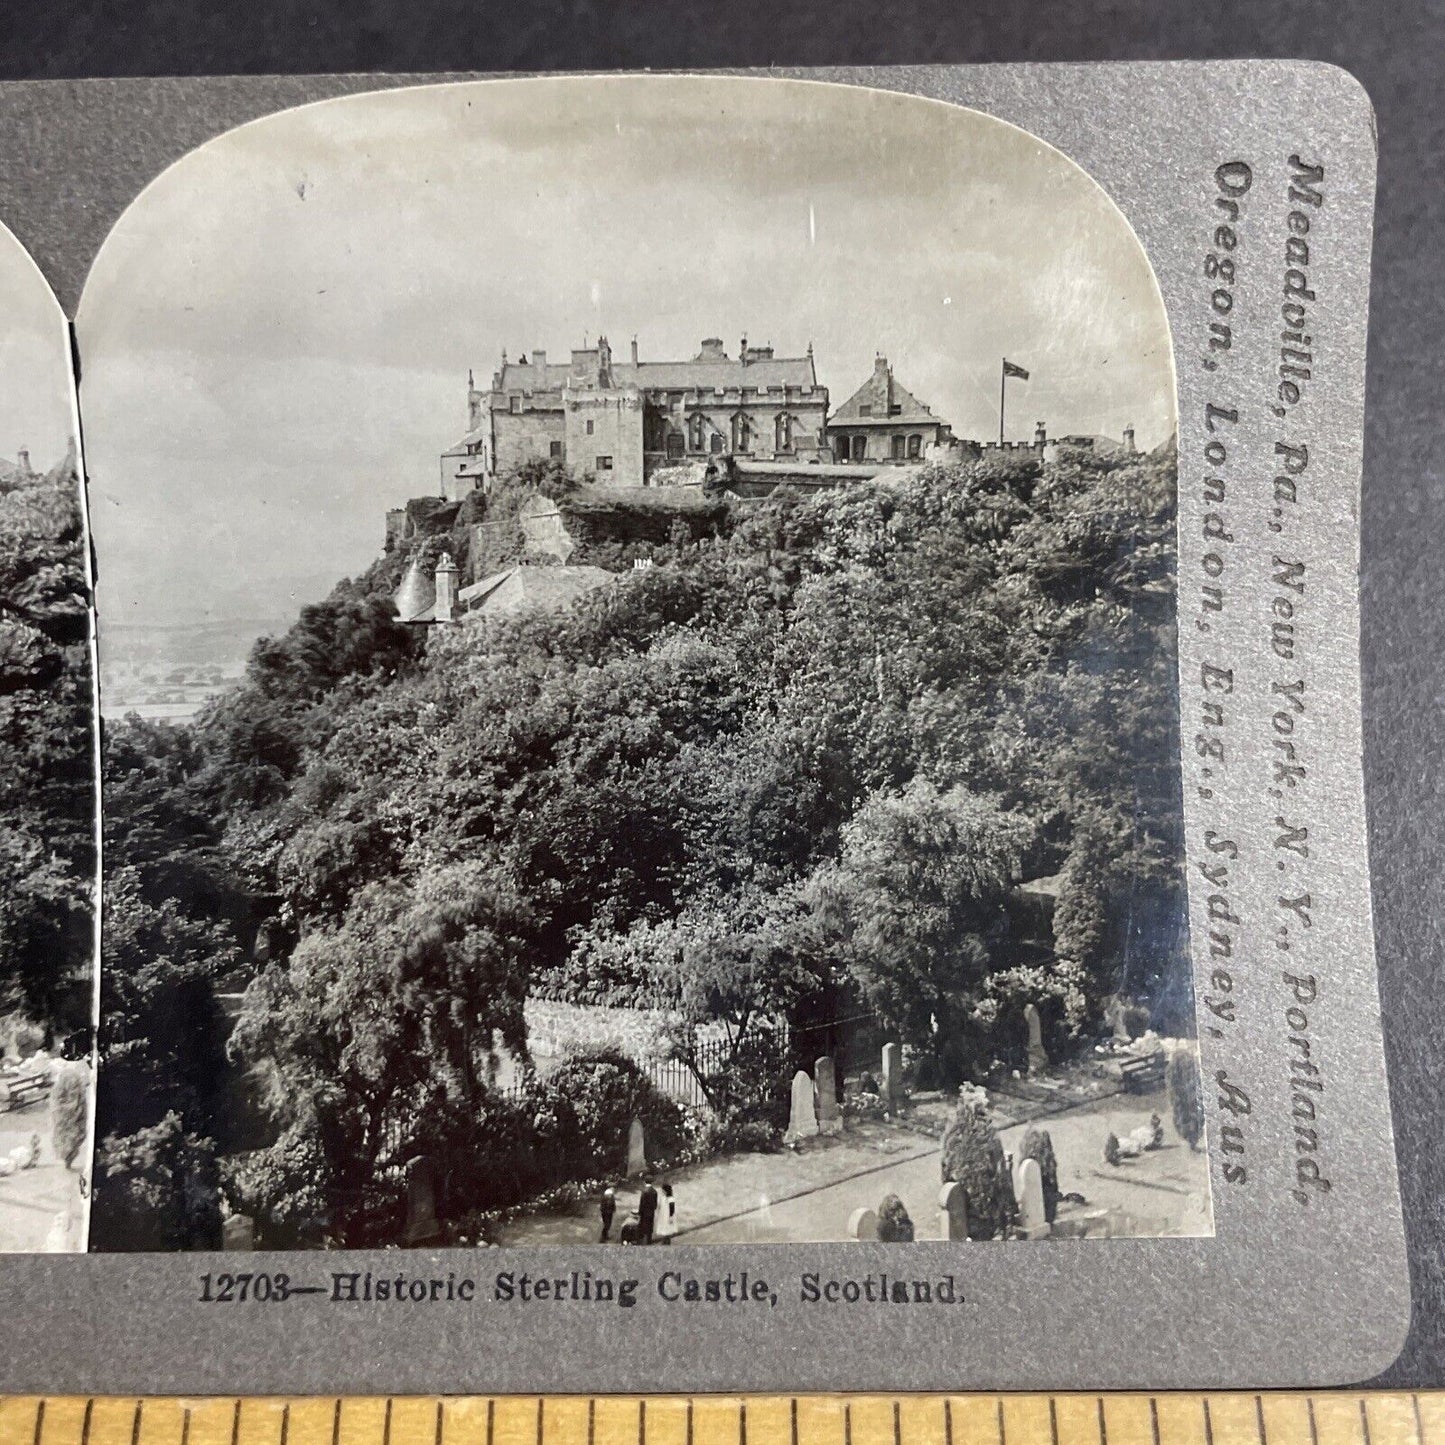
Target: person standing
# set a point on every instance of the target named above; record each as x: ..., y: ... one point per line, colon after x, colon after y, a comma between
x: 608, y: 1210
x: 646, y: 1212
x: 666, y: 1215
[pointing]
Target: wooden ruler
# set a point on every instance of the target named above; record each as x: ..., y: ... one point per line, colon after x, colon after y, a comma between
x: 1282, y: 1418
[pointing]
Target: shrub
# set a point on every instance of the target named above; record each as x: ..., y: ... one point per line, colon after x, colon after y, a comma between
x: 973, y: 1157
x: 589, y: 1104
x: 1185, y: 1096
x: 1039, y: 1146
x: 1111, y: 1149
x: 286, y: 1188
x: 156, y: 1189
x: 894, y: 1225
x: 70, y: 1111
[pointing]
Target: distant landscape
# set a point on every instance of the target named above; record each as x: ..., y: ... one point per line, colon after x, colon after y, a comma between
x: 171, y: 672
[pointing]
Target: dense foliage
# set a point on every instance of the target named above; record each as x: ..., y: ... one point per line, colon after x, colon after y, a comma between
x: 797, y: 765
x: 1038, y: 1145
x: 894, y: 1224
x: 1186, y: 1098
x: 47, y: 775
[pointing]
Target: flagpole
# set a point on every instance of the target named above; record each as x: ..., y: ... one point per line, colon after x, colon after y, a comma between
x: 1002, y: 382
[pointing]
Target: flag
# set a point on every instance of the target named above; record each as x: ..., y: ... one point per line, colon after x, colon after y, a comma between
x: 1009, y: 369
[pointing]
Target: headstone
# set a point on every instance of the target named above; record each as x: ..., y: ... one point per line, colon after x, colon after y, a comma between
x: 892, y: 1077
x: 825, y: 1089
x: 863, y: 1224
x: 421, y: 1202
x: 803, y: 1116
x: 952, y: 1212
x: 636, y: 1150
x: 1032, y: 1219
x: 1038, y: 1059
x: 238, y: 1232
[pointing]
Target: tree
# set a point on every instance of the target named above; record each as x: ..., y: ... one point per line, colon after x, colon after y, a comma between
x: 156, y: 1190
x: 914, y: 904
x: 894, y: 1225
x: 1039, y: 1146
x: 1186, y: 1099
x: 395, y: 1011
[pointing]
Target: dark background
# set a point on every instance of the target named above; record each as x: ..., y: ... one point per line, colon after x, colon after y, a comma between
x: 1395, y: 49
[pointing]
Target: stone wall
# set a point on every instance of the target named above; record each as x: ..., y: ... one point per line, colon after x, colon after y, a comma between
x: 614, y: 417
x: 524, y: 435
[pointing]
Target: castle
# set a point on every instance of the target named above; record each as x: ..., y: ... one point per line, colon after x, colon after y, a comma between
x: 622, y: 421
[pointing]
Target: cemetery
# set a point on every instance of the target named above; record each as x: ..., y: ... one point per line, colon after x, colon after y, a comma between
x: 1084, y: 1153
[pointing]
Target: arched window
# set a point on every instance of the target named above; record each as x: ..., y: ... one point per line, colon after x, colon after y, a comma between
x: 898, y: 443
x: 742, y: 433
x: 783, y: 433
x: 696, y: 432
x: 915, y: 445
x: 716, y: 441
x: 860, y: 448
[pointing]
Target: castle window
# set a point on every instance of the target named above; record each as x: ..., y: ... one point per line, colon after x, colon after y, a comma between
x: 589, y: 428
x: 604, y: 464
x: 866, y: 409
x: 716, y: 444
x: 555, y: 450
x: 674, y: 445
x: 742, y: 433
x: 895, y: 410
x: 516, y: 403
x: 860, y: 448
x: 898, y: 444
x: 783, y: 432
x: 695, y: 432
x: 915, y: 445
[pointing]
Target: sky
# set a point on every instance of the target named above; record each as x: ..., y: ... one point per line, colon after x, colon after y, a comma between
x: 277, y: 333
x: 35, y: 395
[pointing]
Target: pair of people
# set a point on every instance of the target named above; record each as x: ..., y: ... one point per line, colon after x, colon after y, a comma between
x: 654, y: 1221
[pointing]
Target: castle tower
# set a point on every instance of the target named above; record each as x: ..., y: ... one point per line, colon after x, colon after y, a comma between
x: 1041, y: 434
x: 446, y: 589
x: 1129, y: 447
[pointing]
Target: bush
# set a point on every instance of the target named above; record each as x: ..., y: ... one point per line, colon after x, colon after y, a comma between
x: 286, y: 1188
x: 1039, y: 1146
x: 588, y: 1106
x: 1185, y: 1096
x: 1111, y: 1148
x: 70, y: 1111
x: 973, y: 1157
x: 156, y: 1190
x: 894, y: 1225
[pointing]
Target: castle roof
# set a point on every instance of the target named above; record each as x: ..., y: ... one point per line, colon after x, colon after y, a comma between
x: 522, y: 589
x: 880, y: 394
x: 711, y: 369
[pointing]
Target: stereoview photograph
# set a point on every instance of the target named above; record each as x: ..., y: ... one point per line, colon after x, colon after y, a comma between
x: 637, y: 631
x: 47, y: 781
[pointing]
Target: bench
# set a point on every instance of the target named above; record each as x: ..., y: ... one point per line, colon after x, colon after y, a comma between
x: 17, y: 1093
x: 1142, y: 1074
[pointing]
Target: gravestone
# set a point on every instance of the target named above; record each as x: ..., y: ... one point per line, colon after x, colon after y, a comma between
x: 825, y: 1089
x: 863, y: 1224
x: 952, y: 1212
x: 636, y: 1150
x: 803, y: 1116
x: 1030, y: 1189
x: 1038, y: 1059
x: 421, y: 1202
x: 238, y: 1232
x: 892, y: 1077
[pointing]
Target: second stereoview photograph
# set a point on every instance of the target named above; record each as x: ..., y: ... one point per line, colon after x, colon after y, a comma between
x: 639, y: 686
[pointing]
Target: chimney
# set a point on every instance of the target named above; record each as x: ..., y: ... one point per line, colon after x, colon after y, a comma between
x: 539, y: 359
x: 880, y: 365
x: 1129, y: 440
x: 712, y: 349
x: 743, y: 351
x: 604, y: 362
x: 634, y: 351
x: 446, y: 597
x: 1040, y: 434
x: 22, y: 460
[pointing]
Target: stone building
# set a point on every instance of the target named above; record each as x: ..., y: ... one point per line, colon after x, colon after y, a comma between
x: 622, y: 420
x: 883, y: 422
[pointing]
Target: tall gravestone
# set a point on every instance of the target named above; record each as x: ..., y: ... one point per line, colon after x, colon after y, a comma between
x: 863, y: 1224
x: 1038, y: 1059
x: 825, y: 1089
x: 238, y: 1232
x: 636, y: 1150
x: 1032, y: 1219
x: 421, y: 1202
x: 892, y: 1077
x: 803, y: 1116
x: 952, y: 1212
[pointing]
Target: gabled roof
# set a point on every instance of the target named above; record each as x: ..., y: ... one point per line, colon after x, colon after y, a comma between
x: 881, y: 393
